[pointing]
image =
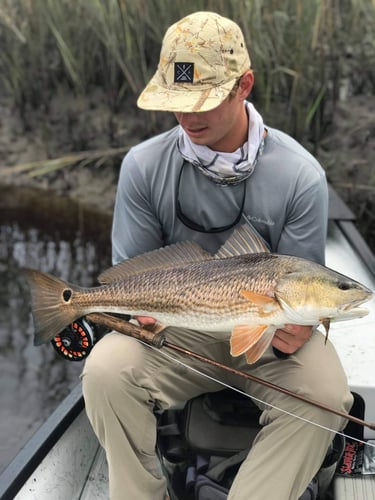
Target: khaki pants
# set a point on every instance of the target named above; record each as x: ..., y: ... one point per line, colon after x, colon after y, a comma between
x: 123, y: 381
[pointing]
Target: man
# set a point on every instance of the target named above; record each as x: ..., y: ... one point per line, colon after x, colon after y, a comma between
x: 221, y: 167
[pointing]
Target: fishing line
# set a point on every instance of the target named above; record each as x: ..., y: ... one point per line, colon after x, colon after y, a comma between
x: 210, y: 377
x: 154, y: 338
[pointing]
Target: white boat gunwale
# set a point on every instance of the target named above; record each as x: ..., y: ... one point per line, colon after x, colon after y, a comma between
x: 37, y: 448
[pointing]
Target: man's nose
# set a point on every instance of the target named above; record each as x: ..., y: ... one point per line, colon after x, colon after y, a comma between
x: 185, y: 118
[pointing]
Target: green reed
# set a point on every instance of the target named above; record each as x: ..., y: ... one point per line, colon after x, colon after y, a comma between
x: 303, y: 51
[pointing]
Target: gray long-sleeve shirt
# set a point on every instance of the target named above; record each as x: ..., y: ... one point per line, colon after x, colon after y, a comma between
x: 286, y: 200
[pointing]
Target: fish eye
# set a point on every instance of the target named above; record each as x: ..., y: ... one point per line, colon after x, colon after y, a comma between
x: 344, y: 285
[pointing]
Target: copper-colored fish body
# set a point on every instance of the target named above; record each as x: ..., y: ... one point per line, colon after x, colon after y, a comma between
x: 249, y: 295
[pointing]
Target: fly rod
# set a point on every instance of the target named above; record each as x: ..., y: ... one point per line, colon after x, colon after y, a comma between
x: 157, y: 339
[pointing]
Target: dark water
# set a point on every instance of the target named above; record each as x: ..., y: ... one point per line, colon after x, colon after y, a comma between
x: 56, y: 236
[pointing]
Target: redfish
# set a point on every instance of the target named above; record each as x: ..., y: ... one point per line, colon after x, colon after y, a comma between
x: 243, y: 289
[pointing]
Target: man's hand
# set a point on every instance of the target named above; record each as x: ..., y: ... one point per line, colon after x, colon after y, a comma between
x: 290, y: 338
x: 145, y: 321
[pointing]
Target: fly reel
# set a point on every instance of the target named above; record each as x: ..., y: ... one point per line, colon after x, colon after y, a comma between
x: 75, y: 342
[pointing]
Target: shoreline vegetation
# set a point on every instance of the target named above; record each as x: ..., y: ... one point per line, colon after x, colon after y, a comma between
x: 70, y: 73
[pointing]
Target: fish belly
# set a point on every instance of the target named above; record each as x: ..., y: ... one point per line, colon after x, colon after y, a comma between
x: 211, y: 322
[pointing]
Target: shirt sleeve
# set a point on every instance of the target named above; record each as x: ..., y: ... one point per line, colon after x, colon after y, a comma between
x: 305, y: 230
x: 135, y: 228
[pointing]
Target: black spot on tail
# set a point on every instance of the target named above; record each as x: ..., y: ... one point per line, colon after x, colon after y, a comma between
x: 67, y: 294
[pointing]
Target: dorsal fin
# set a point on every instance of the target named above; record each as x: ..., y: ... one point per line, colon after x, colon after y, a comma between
x: 182, y: 253
x: 242, y: 241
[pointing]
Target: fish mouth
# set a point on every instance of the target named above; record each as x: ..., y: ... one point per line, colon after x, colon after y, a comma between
x: 351, y: 311
x: 351, y: 306
x: 362, y: 311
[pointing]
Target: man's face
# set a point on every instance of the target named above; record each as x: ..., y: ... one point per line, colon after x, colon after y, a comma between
x: 222, y: 129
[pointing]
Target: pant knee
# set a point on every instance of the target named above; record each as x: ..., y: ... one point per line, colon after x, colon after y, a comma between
x: 335, y: 395
x: 113, y: 361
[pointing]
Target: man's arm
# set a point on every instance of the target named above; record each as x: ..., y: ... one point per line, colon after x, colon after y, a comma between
x: 135, y: 229
x: 305, y: 231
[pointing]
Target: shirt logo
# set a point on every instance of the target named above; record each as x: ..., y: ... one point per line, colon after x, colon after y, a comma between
x: 183, y: 72
x: 254, y: 218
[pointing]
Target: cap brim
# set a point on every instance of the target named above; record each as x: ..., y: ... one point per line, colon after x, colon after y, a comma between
x: 183, y: 97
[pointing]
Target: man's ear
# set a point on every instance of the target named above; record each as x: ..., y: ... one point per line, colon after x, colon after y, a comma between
x: 246, y: 84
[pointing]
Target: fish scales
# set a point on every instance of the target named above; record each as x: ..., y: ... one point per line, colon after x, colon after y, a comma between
x: 199, y: 296
x: 212, y: 286
x: 249, y: 294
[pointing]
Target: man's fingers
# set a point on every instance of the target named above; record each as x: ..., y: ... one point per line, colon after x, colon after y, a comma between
x: 145, y: 320
x: 291, y: 337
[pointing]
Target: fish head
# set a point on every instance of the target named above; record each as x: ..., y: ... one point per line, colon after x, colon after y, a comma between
x: 311, y: 294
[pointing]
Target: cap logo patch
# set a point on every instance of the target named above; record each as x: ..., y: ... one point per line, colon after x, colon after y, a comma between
x: 183, y: 72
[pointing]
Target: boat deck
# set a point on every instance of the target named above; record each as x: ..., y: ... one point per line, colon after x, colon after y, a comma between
x: 85, y: 477
x: 82, y: 475
x: 64, y: 460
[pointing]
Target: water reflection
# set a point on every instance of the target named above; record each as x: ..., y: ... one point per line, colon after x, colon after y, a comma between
x: 34, y: 379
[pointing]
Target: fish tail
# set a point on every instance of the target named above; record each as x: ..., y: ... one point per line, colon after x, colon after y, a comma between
x: 51, y: 304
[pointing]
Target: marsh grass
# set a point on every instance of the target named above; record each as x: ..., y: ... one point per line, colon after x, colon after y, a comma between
x: 303, y: 51
x: 306, y: 54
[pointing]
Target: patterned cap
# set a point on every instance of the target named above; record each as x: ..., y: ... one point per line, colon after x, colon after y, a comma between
x: 201, y: 58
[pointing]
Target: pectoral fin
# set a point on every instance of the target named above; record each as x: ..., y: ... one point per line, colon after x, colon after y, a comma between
x: 258, y: 349
x: 244, y: 337
x: 258, y: 298
x: 265, y: 305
